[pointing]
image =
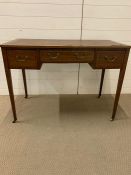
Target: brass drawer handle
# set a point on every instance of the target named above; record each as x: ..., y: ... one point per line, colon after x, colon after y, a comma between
x: 21, y: 58
x: 53, y: 55
x: 80, y: 55
x: 109, y: 59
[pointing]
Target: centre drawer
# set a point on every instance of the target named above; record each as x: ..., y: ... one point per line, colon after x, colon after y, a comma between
x: 66, y: 56
x: 22, y: 58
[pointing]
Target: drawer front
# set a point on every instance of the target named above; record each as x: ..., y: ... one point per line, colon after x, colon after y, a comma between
x: 22, y: 58
x: 109, y: 59
x: 66, y: 56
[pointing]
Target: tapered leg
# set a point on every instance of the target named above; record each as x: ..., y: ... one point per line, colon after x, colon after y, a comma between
x: 25, y: 83
x: 101, y: 83
x: 11, y: 93
x: 9, y: 83
x: 119, y: 85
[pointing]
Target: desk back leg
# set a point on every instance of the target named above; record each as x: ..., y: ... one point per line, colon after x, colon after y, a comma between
x: 25, y: 83
x: 101, y: 83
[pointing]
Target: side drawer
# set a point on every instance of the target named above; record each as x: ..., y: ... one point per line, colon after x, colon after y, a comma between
x: 109, y: 59
x: 66, y: 55
x: 22, y: 58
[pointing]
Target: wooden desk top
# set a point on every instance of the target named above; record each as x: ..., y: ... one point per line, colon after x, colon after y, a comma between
x: 44, y: 43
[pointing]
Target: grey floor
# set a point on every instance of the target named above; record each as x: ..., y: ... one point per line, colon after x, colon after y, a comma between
x: 66, y: 135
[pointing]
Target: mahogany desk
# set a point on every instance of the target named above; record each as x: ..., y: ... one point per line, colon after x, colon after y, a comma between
x: 32, y: 53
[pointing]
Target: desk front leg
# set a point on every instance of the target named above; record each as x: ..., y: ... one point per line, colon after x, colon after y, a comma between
x: 9, y: 83
x: 119, y: 85
x: 11, y: 93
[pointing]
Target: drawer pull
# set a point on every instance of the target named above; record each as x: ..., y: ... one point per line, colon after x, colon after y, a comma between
x: 109, y: 59
x: 53, y: 55
x: 21, y: 59
x: 80, y: 55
